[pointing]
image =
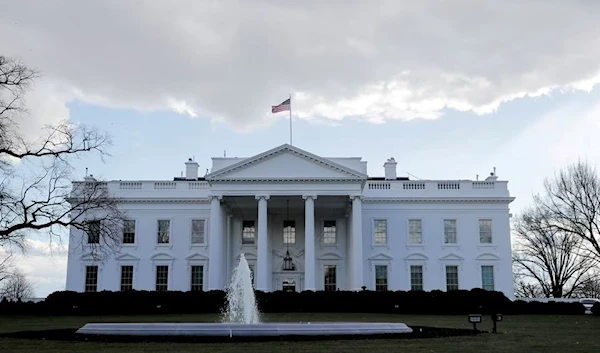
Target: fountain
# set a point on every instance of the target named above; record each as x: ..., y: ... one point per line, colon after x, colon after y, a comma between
x: 241, y: 319
x: 241, y: 302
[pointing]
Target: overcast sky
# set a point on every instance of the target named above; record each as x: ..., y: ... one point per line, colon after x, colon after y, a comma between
x: 450, y: 89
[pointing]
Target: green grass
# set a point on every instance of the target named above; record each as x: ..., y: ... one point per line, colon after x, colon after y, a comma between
x: 516, y: 334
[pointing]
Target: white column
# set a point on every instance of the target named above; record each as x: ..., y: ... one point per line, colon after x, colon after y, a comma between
x: 309, y: 242
x: 357, y: 244
x: 228, y: 247
x: 262, y: 257
x: 215, y: 245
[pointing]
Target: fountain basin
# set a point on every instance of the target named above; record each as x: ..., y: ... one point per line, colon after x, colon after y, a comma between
x: 245, y: 330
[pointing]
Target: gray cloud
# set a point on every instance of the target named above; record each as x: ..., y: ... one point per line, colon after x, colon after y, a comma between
x: 375, y: 60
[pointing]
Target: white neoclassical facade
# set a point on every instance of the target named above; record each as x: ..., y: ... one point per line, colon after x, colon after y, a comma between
x: 303, y: 222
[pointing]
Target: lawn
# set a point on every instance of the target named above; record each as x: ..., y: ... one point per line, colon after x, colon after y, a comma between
x: 516, y: 334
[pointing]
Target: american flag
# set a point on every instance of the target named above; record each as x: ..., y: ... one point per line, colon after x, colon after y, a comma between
x: 281, y: 107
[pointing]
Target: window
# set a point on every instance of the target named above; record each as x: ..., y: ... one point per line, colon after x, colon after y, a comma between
x: 126, y: 278
x: 450, y: 231
x: 91, y: 278
x: 252, y: 274
x: 487, y: 277
x: 485, y: 231
x: 248, y: 232
x: 129, y: 232
x: 197, y: 231
x: 452, y: 277
x: 329, y: 232
x: 380, y: 231
x: 381, y: 278
x: 197, y: 278
x: 162, y: 278
x: 415, y: 233
x: 289, y: 232
x: 416, y: 277
x: 93, y: 232
x: 163, y: 231
x: 330, y: 278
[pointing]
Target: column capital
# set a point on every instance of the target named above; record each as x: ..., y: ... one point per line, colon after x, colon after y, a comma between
x: 218, y: 197
x: 266, y: 197
x: 306, y: 197
x: 356, y: 197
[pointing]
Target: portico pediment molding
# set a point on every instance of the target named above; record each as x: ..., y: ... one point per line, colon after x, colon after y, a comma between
x: 452, y: 257
x: 437, y: 200
x: 285, y: 163
x: 196, y: 257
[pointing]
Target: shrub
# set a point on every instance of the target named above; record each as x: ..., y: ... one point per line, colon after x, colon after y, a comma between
x: 460, y: 302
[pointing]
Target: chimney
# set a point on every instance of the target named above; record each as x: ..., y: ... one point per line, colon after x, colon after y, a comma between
x: 390, y: 169
x: 493, y: 176
x: 191, y: 170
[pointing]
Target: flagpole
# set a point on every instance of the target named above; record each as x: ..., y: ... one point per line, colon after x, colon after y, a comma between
x: 291, y: 120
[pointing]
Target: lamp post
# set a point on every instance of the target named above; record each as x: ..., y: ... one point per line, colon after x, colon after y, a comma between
x: 495, y: 319
x: 475, y: 319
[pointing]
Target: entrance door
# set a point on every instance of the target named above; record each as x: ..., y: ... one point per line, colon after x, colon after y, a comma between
x: 289, y: 285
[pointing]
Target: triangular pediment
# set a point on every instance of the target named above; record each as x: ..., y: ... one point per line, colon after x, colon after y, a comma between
x: 452, y: 257
x: 196, y: 256
x: 381, y: 257
x: 127, y: 257
x: 90, y: 256
x: 285, y: 162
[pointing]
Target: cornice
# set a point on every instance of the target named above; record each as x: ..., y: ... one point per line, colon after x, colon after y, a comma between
x: 499, y: 200
x: 164, y: 200
x: 284, y: 180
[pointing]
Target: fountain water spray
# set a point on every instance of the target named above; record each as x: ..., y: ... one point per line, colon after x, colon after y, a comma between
x: 241, y: 302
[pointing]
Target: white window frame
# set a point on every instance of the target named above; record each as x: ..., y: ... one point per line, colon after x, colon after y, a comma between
x: 481, y: 266
x: 135, y: 233
x: 455, y: 219
x: 445, y: 276
x: 491, y: 219
x: 410, y: 275
x: 387, y: 231
x: 191, y: 230
x: 416, y: 259
x: 408, y: 242
x: 127, y: 260
x: 337, y: 232
x: 253, y: 245
x: 388, y: 277
x: 156, y: 228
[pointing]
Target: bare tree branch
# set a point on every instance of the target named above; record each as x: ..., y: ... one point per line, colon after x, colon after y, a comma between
x: 551, y: 258
x: 17, y: 287
x: 37, y: 193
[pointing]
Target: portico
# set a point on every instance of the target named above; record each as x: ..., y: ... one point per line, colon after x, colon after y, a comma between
x: 313, y: 191
x: 290, y: 241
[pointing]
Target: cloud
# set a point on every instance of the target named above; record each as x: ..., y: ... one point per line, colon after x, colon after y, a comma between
x: 375, y: 60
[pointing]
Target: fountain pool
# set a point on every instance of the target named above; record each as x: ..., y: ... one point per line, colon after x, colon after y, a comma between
x: 241, y: 318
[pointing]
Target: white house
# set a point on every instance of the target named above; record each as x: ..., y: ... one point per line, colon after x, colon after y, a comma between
x: 303, y: 222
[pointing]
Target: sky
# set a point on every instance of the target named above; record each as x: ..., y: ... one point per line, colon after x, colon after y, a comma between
x: 449, y: 89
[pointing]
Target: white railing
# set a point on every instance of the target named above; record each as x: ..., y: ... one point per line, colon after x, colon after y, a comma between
x: 453, y: 187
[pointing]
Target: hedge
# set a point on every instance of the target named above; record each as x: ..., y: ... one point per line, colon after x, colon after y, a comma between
x: 435, y: 302
x: 596, y: 309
